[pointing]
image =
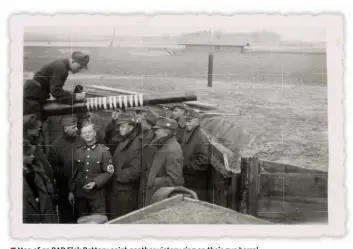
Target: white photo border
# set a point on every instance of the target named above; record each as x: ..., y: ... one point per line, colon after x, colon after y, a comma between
x: 333, y: 23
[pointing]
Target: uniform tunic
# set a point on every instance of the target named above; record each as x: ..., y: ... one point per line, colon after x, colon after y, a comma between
x: 50, y: 79
x: 92, y: 164
x: 196, y: 164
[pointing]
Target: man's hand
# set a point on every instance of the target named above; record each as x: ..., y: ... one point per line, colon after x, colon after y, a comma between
x: 89, y: 186
x: 80, y: 96
x: 71, y: 198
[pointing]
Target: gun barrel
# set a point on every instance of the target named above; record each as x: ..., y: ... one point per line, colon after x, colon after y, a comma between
x: 54, y: 108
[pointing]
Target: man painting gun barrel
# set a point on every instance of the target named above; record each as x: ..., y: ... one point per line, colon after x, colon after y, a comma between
x: 50, y: 79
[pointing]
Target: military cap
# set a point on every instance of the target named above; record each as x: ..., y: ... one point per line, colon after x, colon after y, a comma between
x: 164, y: 122
x: 69, y: 120
x: 190, y: 113
x: 159, y: 110
x: 179, y: 105
x: 151, y: 117
x: 31, y: 122
x: 126, y: 117
x: 81, y: 58
x: 93, y: 219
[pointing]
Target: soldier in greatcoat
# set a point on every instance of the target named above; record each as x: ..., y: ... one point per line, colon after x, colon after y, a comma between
x: 37, y: 199
x: 123, y: 198
x: 93, y: 169
x: 61, y: 156
x: 178, y: 114
x: 195, y: 147
x: 31, y: 132
x: 163, y: 159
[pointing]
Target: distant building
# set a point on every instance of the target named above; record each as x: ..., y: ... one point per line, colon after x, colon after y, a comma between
x: 235, y: 48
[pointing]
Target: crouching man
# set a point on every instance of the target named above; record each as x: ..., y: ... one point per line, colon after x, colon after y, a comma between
x: 164, y: 160
x: 123, y: 198
x: 93, y: 168
x: 195, y: 149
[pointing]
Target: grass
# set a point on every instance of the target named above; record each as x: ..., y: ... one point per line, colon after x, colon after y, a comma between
x: 286, y: 113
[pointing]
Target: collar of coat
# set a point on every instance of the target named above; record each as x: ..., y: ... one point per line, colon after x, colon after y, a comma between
x: 146, y: 137
x: 188, y: 134
x: 92, y: 146
x: 126, y: 141
x: 182, y: 122
x: 159, y: 143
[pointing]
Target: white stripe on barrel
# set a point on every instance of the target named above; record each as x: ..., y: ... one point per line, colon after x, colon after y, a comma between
x: 120, y: 101
x: 125, y: 101
x: 99, y: 103
x: 111, y: 102
x: 105, y: 103
x: 114, y: 102
x: 136, y: 100
x: 131, y: 98
x: 87, y: 105
x: 95, y: 103
x: 92, y: 104
x: 141, y: 99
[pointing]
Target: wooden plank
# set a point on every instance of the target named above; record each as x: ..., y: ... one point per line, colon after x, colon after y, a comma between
x: 297, y: 199
x: 254, y: 186
x: 233, y: 193
x: 294, y: 184
x: 274, y: 167
x: 138, y: 214
x: 242, y: 217
x: 243, y: 186
x: 280, y: 211
x: 223, y: 159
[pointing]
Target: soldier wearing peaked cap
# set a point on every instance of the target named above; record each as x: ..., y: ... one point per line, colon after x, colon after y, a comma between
x: 123, y: 198
x: 148, y: 120
x: 61, y: 156
x: 162, y: 160
x: 50, y: 79
x: 178, y: 114
x: 196, y: 153
x: 93, y: 169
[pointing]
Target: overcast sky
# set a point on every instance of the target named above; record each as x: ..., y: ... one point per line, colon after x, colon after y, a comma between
x: 177, y: 24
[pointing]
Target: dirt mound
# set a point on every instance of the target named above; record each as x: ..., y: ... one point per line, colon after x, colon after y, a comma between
x: 226, y: 132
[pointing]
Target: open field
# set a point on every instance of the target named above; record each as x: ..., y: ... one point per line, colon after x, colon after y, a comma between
x: 287, y: 113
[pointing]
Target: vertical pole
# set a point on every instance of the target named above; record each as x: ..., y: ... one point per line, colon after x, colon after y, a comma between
x: 210, y: 69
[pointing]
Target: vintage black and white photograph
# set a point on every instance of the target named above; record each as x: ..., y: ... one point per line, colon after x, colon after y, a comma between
x: 175, y: 119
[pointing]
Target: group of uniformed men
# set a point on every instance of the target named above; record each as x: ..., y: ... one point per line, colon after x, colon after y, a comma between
x: 82, y: 173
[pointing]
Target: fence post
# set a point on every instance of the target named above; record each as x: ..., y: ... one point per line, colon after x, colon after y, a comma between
x: 210, y: 69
